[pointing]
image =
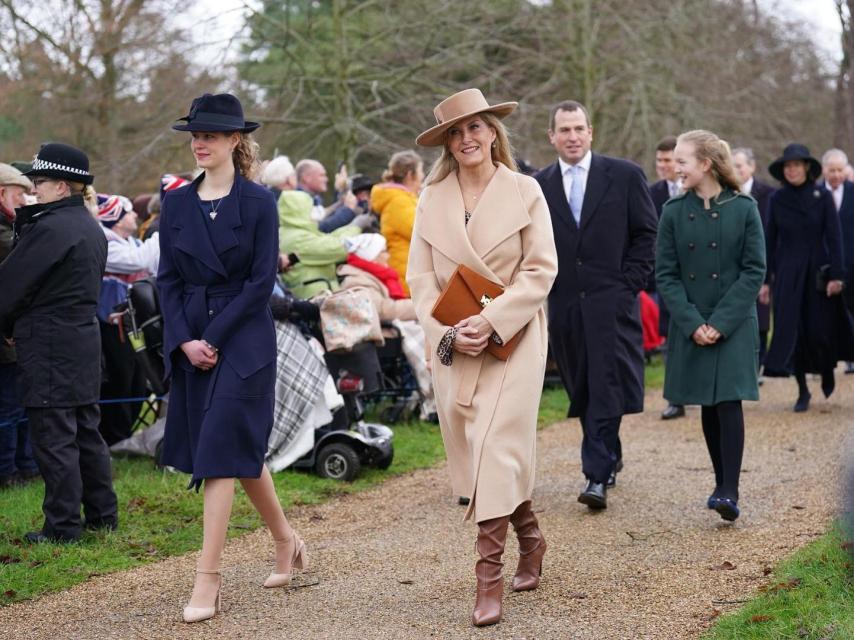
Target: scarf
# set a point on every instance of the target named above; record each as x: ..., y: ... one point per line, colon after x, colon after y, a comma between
x: 10, y: 215
x: 387, y: 275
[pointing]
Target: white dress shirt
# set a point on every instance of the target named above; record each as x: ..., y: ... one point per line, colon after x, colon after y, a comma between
x: 837, y: 195
x: 566, y: 173
x: 747, y: 187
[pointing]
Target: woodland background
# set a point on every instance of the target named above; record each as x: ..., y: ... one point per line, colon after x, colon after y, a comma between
x: 357, y: 80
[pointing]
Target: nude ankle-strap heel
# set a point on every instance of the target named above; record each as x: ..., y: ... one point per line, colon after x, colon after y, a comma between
x: 299, y: 560
x: 197, y: 614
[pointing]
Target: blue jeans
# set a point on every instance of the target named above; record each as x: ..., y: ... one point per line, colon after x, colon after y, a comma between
x: 15, y: 451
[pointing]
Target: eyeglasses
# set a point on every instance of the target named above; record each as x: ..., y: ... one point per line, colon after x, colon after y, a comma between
x: 40, y: 181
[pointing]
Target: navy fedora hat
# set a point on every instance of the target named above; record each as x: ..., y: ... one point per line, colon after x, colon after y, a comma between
x: 220, y: 112
x: 795, y: 151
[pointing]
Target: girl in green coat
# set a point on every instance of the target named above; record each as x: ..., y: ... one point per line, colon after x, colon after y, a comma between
x: 710, y: 264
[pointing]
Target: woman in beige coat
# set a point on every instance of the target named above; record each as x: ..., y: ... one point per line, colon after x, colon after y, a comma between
x: 479, y: 212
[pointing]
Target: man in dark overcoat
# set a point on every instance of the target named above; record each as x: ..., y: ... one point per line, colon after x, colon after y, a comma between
x: 833, y: 165
x: 51, y: 281
x: 604, y: 224
x: 744, y: 162
x: 667, y: 187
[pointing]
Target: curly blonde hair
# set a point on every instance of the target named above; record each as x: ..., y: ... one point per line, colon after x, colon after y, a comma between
x: 245, y: 155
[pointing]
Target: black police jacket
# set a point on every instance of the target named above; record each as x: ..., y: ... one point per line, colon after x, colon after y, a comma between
x: 50, y: 284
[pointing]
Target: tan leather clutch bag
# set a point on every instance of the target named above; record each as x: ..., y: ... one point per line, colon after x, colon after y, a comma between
x: 466, y: 294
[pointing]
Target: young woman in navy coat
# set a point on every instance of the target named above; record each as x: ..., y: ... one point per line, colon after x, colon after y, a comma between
x: 219, y: 249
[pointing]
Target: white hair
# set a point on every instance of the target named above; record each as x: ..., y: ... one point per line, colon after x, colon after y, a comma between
x: 834, y: 153
x: 277, y: 171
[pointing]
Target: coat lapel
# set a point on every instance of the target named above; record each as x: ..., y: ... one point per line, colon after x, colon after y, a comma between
x: 500, y: 214
x: 193, y: 237
x: 597, y: 185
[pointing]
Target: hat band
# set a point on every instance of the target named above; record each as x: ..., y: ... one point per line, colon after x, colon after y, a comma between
x: 44, y: 165
x: 218, y: 119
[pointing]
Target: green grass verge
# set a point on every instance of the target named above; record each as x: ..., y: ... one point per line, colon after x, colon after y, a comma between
x: 160, y: 518
x: 810, y: 595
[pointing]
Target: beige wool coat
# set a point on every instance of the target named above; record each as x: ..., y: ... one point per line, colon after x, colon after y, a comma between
x: 488, y: 407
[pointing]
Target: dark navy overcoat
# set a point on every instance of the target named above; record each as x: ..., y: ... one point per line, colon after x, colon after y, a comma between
x: 215, y: 281
x: 810, y: 329
x: 594, y: 314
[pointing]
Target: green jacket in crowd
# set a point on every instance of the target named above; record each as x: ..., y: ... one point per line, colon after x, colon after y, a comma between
x: 709, y: 266
x: 319, y: 253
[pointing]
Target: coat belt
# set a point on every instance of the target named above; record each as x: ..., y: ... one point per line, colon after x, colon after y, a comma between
x: 197, y: 296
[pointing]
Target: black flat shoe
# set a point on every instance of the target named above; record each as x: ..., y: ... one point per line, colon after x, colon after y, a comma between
x: 100, y: 525
x: 619, y: 466
x: 463, y: 501
x: 802, y: 404
x: 673, y: 411
x: 38, y: 537
x: 728, y: 509
x: 594, y: 495
x: 849, y: 368
x: 612, y: 480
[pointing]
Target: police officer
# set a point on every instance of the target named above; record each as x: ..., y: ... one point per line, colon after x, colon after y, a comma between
x: 51, y: 282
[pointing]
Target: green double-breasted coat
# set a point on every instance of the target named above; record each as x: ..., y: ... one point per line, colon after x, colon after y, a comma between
x: 709, y: 266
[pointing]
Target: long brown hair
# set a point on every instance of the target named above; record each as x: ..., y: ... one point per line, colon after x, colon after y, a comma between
x: 708, y: 146
x: 502, y: 151
x: 245, y: 155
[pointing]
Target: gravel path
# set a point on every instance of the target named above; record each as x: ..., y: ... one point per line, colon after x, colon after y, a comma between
x: 396, y: 562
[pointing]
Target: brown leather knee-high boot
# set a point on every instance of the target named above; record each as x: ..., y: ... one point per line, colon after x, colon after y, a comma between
x: 532, y: 548
x: 491, y: 536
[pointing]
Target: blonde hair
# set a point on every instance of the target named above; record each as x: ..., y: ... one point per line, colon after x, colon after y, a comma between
x: 245, y: 155
x: 502, y: 151
x: 402, y: 164
x: 708, y: 146
x: 90, y: 197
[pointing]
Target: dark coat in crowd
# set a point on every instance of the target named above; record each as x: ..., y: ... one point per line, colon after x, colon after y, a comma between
x: 846, y: 222
x: 594, y: 314
x: 51, y: 282
x: 215, y: 281
x: 761, y: 192
x: 710, y: 264
x: 660, y: 193
x: 811, y: 331
x: 7, y: 353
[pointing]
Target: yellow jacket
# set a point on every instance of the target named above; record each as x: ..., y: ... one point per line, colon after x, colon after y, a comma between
x: 395, y: 205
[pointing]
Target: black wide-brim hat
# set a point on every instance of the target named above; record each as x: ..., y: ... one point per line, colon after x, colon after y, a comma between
x: 220, y: 112
x: 795, y: 151
x: 61, y: 162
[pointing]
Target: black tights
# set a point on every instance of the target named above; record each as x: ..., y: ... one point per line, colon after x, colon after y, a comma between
x: 723, y: 428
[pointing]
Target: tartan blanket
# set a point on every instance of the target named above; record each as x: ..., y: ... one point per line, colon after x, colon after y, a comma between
x: 300, y: 378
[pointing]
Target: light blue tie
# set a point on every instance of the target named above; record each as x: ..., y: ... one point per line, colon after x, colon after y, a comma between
x: 576, y: 193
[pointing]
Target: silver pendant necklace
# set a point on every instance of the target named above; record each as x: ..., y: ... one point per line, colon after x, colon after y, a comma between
x: 213, y: 210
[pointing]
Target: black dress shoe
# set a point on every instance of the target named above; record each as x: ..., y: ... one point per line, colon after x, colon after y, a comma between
x: 673, y: 411
x: 100, y: 525
x: 619, y: 465
x: 463, y: 501
x: 594, y: 495
x: 39, y: 537
x: 803, y: 403
x: 612, y: 480
x: 849, y: 368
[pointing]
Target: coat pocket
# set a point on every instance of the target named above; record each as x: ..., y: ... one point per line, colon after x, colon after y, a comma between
x: 230, y: 384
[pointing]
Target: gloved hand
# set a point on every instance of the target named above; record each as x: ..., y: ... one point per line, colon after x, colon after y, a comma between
x: 365, y: 221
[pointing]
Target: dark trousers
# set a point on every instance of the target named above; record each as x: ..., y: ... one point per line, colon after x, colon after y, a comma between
x: 723, y: 428
x: 601, y: 448
x: 122, y: 378
x: 15, y: 451
x: 75, y: 464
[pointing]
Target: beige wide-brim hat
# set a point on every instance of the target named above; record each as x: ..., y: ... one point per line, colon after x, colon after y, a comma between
x: 458, y: 107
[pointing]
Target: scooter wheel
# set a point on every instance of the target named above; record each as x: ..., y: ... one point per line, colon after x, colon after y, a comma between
x: 338, y: 461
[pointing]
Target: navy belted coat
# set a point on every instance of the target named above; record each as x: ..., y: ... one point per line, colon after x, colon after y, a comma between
x: 215, y: 281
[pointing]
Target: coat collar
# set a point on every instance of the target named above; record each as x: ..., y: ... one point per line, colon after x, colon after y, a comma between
x: 500, y: 213
x: 203, y: 241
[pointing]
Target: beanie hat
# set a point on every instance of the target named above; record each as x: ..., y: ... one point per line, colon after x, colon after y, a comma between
x: 366, y: 245
x: 111, y: 209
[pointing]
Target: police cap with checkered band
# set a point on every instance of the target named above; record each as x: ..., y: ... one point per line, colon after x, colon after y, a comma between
x: 61, y: 162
